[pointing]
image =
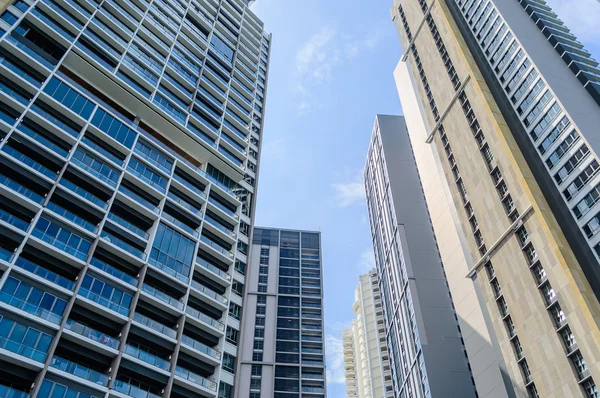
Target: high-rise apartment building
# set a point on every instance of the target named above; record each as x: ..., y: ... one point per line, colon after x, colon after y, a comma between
x: 507, y: 101
x: 366, y: 359
x: 425, y: 346
x: 130, y: 134
x: 282, y: 351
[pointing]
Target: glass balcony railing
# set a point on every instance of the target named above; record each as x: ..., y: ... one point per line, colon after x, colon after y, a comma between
x: 79, y: 371
x: 169, y: 270
x: 205, y: 318
x: 83, y: 193
x: 31, y: 52
x: 219, y: 226
x: 210, y: 293
x: 213, y: 85
x: 44, y: 273
x: 14, y: 221
x: 109, y: 269
x: 162, y: 296
x: 216, y: 246
x: 234, y: 144
x: 128, y: 226
x: 102, y: 150
x: 153, y: 161
x: 207, y: 109
x: 20, y: 189
x: 35, y: 165
x: 111, y: 305
x: 231, y: 127
x: 74, y: 218
x: 235, y: 116
x: 198, y: 346
x: 123, y: 245
x: 133, y: 391
x: 146, y: 180
x: 195, y: 378
x: 211, y: 97
x: 184, y: 204
x: 60, y: 245
x: 181, y: 225
x: 7, y: 392
x: 92, y: 334
x: 205, y: 264
x: 147, y: 357
x: 189, y: 185
x: 152, y: 324
x: 94, y: 172
x: 30, y: 308
x: 222, y: 208
x: 42, y: 140
x: 137, y: 198
x: 22, y: 349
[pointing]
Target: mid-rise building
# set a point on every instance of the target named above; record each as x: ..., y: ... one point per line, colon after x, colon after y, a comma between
x: 426, y: 350
x: 366, y: 359
x: 130, y: 132
x: 282, y: 344
x: 506, y: 100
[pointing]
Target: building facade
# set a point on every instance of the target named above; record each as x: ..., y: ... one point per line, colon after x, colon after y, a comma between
x: 366, y: 359
x: 508, y: 102
x: 282, y: 343
x: 426, y: 352
x: 130, y: 133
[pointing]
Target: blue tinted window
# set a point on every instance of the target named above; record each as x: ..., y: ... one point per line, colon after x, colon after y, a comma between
x: 114, y: 128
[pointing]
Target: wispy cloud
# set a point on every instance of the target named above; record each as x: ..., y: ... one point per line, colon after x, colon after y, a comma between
x: 581, y: 16
x: 335, y: 360
x: 366, y: 261
x: 351, y: 191
x: 320, y: 55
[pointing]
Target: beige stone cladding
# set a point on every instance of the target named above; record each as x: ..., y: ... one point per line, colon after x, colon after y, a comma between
x: 542, y: 346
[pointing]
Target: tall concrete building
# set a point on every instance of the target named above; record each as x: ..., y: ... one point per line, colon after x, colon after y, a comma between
x: 282, y: 350
x: 130, y: 133
x: 426, y: 350
x: 366, y: 359
x: 502, y: 105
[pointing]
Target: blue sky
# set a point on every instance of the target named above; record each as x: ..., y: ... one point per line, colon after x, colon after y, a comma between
x: 330, y: 74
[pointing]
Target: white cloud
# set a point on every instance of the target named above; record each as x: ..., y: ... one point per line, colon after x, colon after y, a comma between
x: 335, y: 360
x: 581, y: 16
x: 349, y: 193
x: 367, y: 261
x: 320, y: 55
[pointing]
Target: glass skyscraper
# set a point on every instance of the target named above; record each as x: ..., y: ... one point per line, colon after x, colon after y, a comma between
x: 282, y: 343
x: 130, y: 134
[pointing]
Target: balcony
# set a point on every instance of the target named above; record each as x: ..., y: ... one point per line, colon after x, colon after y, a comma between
x: 30, y: 308
x: 96, y: 298
x: 195, y: 378
x: 214, y: 296
x: 45, y: 274
x: 92, y: 334
x: 219, y: 226
x: 122, y: 245
x: 79, y: 371
x: 154, y: 325
x: 22, y: 349
x: 216, y: 247
x: 147, y: 357
x: 133, y: 391
x: 7, y: 392
x: 139, y: 199
x: 200, y: 347
x: 172, y: 301
x: 109, y: 269
x: 194, y: 313
x: 213, y: 269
